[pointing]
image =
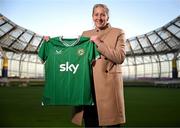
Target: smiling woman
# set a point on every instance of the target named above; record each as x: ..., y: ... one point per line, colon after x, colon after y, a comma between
x: 107, y: 89
x: 100, y: 15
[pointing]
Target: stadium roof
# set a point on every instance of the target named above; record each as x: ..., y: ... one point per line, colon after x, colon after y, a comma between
x: 163, y: 40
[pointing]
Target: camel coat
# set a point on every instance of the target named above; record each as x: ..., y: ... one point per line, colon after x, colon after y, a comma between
x: 108, y: 81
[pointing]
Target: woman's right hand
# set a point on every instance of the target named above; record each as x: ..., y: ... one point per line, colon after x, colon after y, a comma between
x: 46, y: 38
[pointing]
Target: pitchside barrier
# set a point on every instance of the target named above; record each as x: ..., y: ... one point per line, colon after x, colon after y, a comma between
x: 24, y: 82
x: 169, y: 83
x: 21, y: 82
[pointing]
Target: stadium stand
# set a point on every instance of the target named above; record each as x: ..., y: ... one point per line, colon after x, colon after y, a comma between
x: 153, y: 56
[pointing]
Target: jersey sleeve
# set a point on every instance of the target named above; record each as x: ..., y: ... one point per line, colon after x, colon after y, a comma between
x: 43, y: 51
x: 94, y: 55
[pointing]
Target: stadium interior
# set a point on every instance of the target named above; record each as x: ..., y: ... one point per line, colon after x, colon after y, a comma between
x: 151, y: 57
x: 152, y: 61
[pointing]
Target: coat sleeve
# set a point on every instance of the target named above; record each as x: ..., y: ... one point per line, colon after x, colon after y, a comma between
x: 117, y: 54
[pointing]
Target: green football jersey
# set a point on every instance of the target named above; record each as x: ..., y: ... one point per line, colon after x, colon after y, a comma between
x: 68, y: 70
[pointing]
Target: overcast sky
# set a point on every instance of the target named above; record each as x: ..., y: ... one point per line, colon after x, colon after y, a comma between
x: 72, y: 17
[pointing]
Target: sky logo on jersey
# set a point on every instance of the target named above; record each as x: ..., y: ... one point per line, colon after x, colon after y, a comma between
x: 68, y: 67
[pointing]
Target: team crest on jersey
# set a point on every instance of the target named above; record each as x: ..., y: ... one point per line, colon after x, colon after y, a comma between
x: 80, y: 52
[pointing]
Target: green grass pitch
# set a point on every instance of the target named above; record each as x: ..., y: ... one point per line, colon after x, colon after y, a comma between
x: 145, y: 106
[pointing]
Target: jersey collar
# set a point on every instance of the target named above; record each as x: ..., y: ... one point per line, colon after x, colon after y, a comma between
x: 66, y: 41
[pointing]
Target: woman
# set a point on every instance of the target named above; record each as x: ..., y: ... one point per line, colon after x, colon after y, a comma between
x: 109, y: 109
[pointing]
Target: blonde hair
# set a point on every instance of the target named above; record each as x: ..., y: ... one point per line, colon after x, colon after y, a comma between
x: 103, y: 6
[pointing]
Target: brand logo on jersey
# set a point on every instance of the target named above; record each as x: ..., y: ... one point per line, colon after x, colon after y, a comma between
x: 58, y: 52
x: 81, y: 52
x: 68, y: 67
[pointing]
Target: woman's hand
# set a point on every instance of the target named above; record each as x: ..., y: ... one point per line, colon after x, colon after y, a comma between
x: 46, y: 38
x: 95, y: 39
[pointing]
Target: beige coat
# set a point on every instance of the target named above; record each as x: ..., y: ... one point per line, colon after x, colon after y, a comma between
x: 108, y: 82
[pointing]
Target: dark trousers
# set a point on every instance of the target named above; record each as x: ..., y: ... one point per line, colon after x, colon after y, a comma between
x: 91, y: 118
